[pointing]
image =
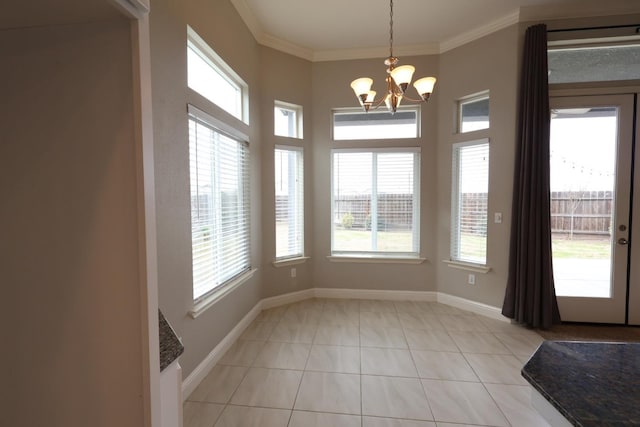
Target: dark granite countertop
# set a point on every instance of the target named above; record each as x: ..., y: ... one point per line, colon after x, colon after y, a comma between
x: 170, y: 346
x: 590, y: 383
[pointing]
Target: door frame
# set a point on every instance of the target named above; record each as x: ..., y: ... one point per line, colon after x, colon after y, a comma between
x: 615, y: 308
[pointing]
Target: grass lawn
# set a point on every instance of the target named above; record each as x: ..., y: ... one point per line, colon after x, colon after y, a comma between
x: 579, y: 248
x: 360, y: 240
x: 472, y: 245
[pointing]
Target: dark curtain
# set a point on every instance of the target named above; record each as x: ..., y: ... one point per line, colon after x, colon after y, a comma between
x: 530, y: 297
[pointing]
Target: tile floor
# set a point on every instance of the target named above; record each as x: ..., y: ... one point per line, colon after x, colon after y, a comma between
x: 369, y: 363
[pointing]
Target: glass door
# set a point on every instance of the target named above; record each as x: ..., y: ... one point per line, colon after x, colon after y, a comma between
x: 591, y: 152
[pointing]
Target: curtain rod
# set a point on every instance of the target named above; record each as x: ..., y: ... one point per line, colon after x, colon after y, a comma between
x: 606, y: 27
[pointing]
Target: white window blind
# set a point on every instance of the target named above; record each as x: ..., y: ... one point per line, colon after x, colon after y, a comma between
x: 469, y: 202
x: 289, y: 202
x: 375, y: 203
x: 219, y: 171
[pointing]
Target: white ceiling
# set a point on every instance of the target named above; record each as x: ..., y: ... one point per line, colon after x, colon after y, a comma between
x: 345, y: 29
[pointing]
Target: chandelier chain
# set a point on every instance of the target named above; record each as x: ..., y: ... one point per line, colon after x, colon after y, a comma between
x: 391, y: 28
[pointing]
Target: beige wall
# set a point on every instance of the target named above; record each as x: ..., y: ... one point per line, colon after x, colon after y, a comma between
x: 71, y: 309
x: 220, y: 26
x: 284, y: 78
x: 331, y: 90
x: 490, y: 63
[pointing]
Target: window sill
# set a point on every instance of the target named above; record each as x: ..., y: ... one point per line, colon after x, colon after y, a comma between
x: 290, y: 261
x: 476, y: 268
x: 373, y: 259
x: 220, y: 293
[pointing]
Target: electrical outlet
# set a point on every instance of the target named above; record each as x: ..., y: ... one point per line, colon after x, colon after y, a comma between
x: 293, y: 272
x: 472, y: 279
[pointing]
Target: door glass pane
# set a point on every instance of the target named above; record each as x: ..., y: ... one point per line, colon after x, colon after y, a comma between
x: 583, y: 176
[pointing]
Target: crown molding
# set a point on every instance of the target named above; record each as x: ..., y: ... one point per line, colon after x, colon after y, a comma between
x: 249, y: 18
x: 284, y: 46
x: 485, y: 30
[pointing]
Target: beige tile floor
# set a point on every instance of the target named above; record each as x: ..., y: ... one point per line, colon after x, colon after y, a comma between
x: 366, y: 363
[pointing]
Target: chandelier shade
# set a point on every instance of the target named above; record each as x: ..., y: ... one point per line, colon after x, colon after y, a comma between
x: 398, y: 80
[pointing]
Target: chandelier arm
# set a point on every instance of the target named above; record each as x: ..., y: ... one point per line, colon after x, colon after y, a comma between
x: 376, y: 103
x: 404, y: 96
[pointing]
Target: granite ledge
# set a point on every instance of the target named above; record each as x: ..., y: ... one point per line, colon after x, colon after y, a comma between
x: 590, y: 383
x: 170, y: 346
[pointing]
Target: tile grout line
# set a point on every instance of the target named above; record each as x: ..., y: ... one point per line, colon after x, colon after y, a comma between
x: 415, y: 366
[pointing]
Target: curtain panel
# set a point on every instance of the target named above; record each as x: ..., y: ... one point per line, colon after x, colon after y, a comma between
x: 530, y: 296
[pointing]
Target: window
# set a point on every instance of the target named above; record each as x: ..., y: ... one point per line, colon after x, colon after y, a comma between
x: 469, y: 202
x: 289, y: 202
x: 287, y: 120
x: 212, y: 78
x: 603, y: 63
x: 375, y: 202
x: 473, y: 113
x: 219, y: 178
x: 356, y: 124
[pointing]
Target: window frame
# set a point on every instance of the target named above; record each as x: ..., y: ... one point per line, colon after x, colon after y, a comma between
x: 481, y: 96
x: 336, y: 255
x: 219, y: 66
x: 454, y: 242
x: 299, y: 118
x: 300, y: 205
x: 405, y: 108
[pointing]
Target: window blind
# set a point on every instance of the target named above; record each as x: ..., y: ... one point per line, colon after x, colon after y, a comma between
x: 375, y: 203
x: 220, y: 223
x: 289, y: 192
x: 469, y: 202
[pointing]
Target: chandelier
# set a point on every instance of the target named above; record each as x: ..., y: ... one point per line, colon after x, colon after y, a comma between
x: 398, y: 80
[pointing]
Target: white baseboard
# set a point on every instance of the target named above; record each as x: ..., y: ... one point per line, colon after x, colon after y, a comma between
x: 375, y: 294
x: 472, y: 306
x: 287, y: 298
x: 203, y: 369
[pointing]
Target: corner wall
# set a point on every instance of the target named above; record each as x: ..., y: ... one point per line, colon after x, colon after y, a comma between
x: 284, y: 78
x: 218, y: 23
x: 71, y: 308
x: 490, y: 63
x: 331, y: 90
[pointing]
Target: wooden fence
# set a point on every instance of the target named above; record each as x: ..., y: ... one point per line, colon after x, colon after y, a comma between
x: 572, y: 212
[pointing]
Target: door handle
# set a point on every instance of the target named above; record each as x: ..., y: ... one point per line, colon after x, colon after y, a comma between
x: 622, y: 241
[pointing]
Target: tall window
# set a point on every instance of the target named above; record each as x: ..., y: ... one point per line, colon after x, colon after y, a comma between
x: 289, y: 202
x: 469, y: 202
x: 212, y: 78
x: 375, y: 203
x: 219, y: 172
x: 287, y: 120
